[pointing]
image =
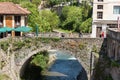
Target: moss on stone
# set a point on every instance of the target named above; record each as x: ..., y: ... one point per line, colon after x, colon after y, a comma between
x: 4, y: 77
x: 82, y: 46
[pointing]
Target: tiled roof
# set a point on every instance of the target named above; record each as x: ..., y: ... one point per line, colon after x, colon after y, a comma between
x: 11, y: 8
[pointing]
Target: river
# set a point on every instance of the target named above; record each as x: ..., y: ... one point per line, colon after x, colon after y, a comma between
x: 65, y: 67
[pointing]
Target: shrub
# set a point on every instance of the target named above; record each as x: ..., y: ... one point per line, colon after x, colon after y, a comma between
x: 55, y: 39
x: 108, y: 77
x: 115, y: 64
x: 18, y: 45
x: 40, y: 59
x: 94, y: 49
x: 4, y: 45
x: 27, y: 40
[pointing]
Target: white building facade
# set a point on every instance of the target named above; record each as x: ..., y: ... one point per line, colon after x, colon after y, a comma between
x: 105, y: 15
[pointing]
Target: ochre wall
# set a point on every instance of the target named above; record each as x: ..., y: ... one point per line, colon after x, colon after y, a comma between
x: 9, y: 21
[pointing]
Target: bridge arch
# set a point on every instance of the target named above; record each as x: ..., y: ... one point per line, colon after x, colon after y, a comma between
x: 26, y: 64
x: 26, y: 61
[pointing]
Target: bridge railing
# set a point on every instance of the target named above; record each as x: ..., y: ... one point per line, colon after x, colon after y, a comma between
x: 60, y: 35
x: 114, y: 33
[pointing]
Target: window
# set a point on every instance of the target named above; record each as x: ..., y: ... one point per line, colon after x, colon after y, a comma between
x: 17, y: 21
x: 99, y: 15
x: 99, y: 6
x: 116, y: 10
x: 26, y: 21
x: 112, y: 25
x: 1, y: 21
x: 100, y: 0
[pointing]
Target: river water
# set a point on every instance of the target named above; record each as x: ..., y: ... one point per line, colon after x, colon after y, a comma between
x: 65, y: 67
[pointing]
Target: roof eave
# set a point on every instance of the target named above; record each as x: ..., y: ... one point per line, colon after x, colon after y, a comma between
x: 13, y: 14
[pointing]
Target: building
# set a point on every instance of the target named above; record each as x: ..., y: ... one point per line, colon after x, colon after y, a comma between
x: 105, y: 15
x: 12, y: 15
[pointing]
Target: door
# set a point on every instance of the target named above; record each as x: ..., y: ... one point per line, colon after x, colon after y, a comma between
x: 99, y: 29
x: 9, y: 23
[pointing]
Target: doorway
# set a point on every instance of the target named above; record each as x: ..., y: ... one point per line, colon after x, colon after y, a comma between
x: 17, y: 33
x: 99, y: 29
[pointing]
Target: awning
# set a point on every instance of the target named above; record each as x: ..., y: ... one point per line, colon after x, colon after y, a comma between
x: 5, y: 29
x: 22, y: 29
x: 2, y: 30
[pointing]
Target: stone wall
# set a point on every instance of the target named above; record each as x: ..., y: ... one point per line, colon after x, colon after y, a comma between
x: 113, y: 44
x: 113, y: 49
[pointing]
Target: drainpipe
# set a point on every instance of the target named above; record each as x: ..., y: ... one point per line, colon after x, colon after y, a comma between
x: 91, y: 64
x: 118, y: 22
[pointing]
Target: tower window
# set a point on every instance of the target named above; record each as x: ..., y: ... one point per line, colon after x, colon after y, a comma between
x: 99, y: 15
x: 99, y: 6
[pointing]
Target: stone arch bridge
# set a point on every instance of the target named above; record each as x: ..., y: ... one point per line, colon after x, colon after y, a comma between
x: 79, y: 47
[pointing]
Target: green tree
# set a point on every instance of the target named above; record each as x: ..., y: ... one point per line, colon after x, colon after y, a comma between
x: 45, y: 19
x: 86, y: 17
x: 86, y: 26
x: 57, y: 2
x: 77, y: 18
x: 86, y: 10
x: 52, y: 2
x: 71, y: 18
x: 14, y: 1
x: 34, y: 17
x: 49, y: 20
x: 36, y: 2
